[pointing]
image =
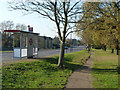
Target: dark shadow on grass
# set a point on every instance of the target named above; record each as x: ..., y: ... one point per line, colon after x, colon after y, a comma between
x: 67, y: 63
x: 52, y: 60
x: 118, y: 70
x: 105, y: 70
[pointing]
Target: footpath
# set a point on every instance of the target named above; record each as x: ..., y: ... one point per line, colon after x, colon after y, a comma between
x: 81, y: 78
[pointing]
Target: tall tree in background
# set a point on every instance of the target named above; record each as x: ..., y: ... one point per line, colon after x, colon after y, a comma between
x: 64, y: 14
x: 111, y: 10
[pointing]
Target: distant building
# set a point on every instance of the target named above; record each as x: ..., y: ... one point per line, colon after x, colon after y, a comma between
x: 50, y: 42
x: 74, y: 42
x: 45, y: 42
x: 41, y: 42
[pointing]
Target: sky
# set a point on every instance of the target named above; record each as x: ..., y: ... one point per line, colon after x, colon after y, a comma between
x: 40, y: 25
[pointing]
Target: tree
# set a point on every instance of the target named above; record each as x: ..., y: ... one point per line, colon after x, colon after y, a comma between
x: 7, y: 38
x: 6, y: 25
x: 21, y: 26
x: 87, y: 38
x: 103, y: 18
x: 9, y: 25
x: 64, y: 14
x: 56, y: 42
x: 112, y: 10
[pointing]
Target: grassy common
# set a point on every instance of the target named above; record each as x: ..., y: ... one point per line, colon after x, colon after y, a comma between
x: 42, y: 73
x: 105, y: 69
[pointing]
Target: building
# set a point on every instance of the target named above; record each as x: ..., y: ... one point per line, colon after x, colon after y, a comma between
x: 74, y: 42
x: 44, y: 42
x: 49, y: 42
x: 41, y: 42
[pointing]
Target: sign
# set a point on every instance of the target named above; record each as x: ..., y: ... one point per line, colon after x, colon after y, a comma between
x: 30, y: 41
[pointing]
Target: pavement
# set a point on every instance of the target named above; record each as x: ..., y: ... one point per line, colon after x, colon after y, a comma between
x: 81, y: 78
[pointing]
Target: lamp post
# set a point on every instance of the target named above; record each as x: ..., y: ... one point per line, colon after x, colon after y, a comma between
x: 71, y: 42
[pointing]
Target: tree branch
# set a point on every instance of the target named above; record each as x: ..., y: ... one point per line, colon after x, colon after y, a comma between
x: 57, y: 23
x: 73, y: 7
x: 72, y: 32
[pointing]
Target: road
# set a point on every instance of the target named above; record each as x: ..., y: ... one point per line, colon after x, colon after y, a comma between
x: 8, y: 56
x: 50, y: 52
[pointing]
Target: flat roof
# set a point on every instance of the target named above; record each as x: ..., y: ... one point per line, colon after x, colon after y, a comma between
x: 20, y: 31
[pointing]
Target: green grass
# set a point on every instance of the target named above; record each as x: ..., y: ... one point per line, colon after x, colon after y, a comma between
x: 105, y: 70
x: 6, y: 51
x: 41, y: 73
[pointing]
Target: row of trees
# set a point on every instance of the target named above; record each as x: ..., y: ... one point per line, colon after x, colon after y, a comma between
x: 9, y: 25
x: 7, y: 38
x: 101, y: 26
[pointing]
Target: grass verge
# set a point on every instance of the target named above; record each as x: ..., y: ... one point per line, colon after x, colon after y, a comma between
x: 6, y: 51
x: 105, y: 70
x: 42, y: 73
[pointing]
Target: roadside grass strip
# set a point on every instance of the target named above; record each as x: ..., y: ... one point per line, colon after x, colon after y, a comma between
x: 105, y: 70
x: 42, y: 73
x: 6, y: 51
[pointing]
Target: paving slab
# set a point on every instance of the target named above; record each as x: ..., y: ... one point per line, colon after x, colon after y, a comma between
x: 81, y: 78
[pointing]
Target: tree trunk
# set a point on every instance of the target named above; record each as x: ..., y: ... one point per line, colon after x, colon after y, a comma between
x: 112, y: 51
x: 104, y: 47
x: 117, y: 52
x: 117, y: 48
x: 61, y: 56
x: 89, y: 48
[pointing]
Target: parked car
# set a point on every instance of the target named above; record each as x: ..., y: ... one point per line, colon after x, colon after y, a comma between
x: 66, y: 47
x: 72, y: 47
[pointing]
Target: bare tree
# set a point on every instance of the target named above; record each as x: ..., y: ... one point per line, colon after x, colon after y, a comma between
x: 21, y: 26
x: 9, y: 25
x: 64, y: 13
x: 6, y: 25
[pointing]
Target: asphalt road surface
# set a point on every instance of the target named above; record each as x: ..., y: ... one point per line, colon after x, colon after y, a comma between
x: 8, y: 56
